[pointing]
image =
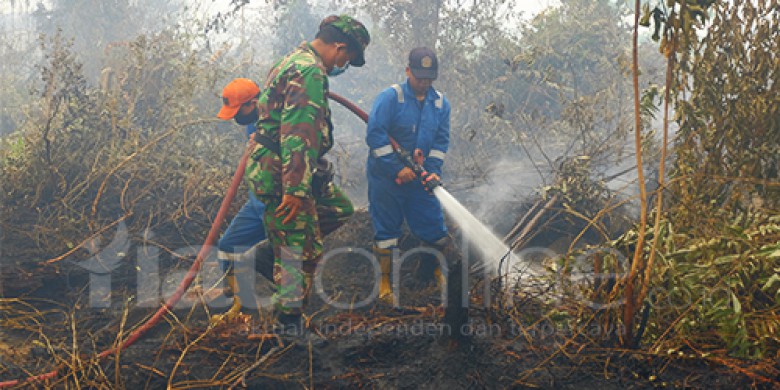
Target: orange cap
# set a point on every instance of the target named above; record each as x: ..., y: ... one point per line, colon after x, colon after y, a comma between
x: 236, y: 93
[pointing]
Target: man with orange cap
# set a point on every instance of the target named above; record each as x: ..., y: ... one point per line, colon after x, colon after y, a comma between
x: 246, y: 231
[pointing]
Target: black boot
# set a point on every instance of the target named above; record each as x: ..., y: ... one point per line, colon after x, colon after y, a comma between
x: 264, y: 260
x: 456, y: 313
x: 289, y: 324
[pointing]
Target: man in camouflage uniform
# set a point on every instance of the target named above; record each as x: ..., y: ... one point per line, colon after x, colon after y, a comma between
x: 287, y: 170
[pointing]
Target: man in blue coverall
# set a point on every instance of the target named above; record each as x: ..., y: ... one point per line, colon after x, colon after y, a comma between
x: 239, y: 102
x: 417, y: 117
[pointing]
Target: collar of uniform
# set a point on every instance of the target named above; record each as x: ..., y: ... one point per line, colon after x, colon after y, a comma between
x: 429, y: 95
x: 305, y: 45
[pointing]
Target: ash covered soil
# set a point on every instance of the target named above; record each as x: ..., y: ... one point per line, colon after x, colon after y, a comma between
x: 355, y: 346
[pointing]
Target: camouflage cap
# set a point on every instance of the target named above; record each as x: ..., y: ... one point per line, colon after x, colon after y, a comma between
x: 354, y: 31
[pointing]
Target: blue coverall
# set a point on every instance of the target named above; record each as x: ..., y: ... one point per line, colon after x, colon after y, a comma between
x: 245, y: 230
x: 414, y: 124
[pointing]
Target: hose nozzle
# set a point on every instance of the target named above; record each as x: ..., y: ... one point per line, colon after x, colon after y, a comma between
x: 429, y: 181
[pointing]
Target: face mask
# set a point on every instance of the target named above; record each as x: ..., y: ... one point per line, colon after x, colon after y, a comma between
x: 337, y: 70
x: 247, y: 119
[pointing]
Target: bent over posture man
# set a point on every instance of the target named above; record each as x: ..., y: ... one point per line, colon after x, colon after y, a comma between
x: 287, y: 170
x: 417, y: 117
x: 239, y: 102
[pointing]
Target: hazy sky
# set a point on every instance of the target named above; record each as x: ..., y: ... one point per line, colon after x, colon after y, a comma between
x: 529, y: 7
x: 532, y: 7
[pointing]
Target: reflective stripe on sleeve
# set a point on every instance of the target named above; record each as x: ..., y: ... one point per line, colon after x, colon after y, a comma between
x: 437, y: 154
x: 383, y: 151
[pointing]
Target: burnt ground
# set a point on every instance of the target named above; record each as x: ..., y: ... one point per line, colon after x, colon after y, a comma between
x: 354, y: 346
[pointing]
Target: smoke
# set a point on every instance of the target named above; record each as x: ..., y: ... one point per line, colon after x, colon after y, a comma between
x: 510, y: 183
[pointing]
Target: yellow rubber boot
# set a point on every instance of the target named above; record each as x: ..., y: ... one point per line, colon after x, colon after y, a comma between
x: 234, y: 312
x: 441, y: 281
x: 235, y: 309
x: 385, y: 257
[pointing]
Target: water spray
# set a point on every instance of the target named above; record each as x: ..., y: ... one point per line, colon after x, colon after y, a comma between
x: 495, y: 253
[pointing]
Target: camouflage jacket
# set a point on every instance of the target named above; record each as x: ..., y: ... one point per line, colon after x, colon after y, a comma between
x: 294, y: 113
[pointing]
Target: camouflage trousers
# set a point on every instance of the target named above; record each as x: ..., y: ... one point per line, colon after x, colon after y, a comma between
x: 297, y: 245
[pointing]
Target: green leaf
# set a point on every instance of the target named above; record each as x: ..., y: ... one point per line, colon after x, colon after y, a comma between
x: 726, y: 259
x: 645, y: 21
x: 736, y: 304
x: 775, y: 278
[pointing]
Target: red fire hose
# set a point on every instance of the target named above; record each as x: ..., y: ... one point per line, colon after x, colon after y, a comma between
x: 349, y: 105
x: 193, y: 271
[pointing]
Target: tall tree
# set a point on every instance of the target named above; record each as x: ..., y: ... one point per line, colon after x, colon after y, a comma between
x: 296, y: 22
x: 729, y: 135
x: 95, y: 25
x: 413, y: 22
